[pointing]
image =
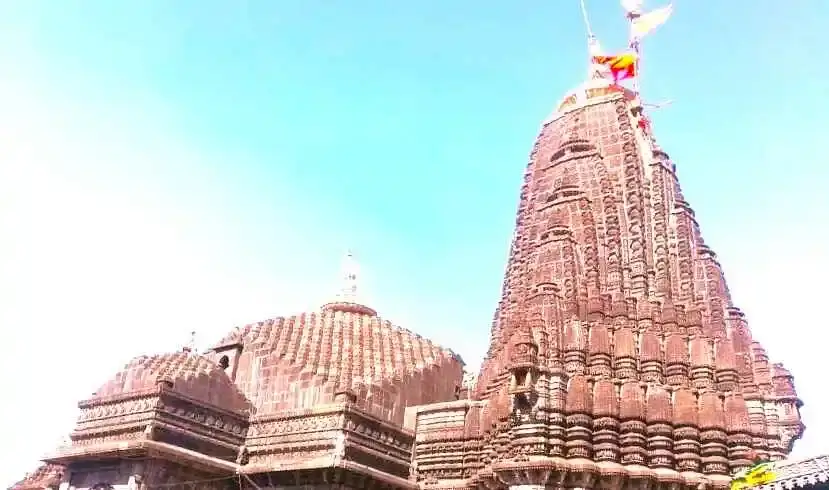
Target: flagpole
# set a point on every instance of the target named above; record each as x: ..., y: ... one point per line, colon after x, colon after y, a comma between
x: 636, y: 46
x: 586, y: 19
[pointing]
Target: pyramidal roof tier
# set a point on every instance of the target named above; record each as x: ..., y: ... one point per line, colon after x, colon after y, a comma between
x: 615, y: 310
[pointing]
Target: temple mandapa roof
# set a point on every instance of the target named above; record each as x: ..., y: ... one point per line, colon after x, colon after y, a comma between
x: 190, y: 374
x: 304, y: 360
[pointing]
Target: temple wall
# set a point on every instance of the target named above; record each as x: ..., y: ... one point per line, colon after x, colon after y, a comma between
x: 135, y: 475
x: 106, y: 475
x: 447, y: 441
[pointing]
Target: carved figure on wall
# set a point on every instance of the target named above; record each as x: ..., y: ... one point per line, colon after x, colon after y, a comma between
x: 524, y: 407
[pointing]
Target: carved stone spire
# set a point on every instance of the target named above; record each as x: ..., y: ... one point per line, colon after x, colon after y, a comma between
x: 641, y: 353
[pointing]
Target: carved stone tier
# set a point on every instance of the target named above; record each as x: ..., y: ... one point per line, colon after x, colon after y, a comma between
x: 337, y: 436
x: 164, y: 415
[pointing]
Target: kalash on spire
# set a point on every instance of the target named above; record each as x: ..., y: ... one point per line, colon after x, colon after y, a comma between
x: 347, y: 297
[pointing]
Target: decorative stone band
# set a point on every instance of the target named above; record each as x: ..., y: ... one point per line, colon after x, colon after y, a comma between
x: 294, y: 425
x: 798, y: 474
x: 583, y: 473
x: 338, y: 435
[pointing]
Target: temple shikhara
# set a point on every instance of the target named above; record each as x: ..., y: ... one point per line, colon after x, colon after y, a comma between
x: 617, y: 358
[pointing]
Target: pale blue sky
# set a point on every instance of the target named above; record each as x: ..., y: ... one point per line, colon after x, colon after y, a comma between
x: 169, y: 166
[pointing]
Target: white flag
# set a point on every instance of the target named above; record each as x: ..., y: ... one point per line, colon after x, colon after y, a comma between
x: 644, y: 24
x: 632, y: 7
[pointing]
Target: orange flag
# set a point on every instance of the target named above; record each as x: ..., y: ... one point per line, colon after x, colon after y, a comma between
x: 622, y: 66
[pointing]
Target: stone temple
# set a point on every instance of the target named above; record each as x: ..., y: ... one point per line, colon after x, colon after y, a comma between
x: 617, y: 360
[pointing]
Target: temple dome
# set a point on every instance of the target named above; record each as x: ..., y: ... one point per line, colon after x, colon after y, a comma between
x: 185, y: 372
x: 341, y: 351
x: 342, y: 347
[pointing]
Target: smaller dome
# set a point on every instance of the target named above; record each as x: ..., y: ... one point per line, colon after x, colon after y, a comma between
x: 189, y: 374
x: 45, y: 476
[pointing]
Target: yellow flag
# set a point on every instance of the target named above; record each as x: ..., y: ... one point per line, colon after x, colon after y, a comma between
x: 646, y: 23
x: 759, y: 474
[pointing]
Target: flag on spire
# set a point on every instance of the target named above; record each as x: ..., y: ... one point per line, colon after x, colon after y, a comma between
x: 622, y: 66
x: 597, y: 70
x: 643, y: 24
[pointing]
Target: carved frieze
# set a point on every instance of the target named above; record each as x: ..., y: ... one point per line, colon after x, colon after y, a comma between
x: 302, y: 424
x: 226, y: 426
x: 117, y: 408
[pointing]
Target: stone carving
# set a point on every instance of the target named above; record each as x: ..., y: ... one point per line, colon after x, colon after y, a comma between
x: 291, y: 425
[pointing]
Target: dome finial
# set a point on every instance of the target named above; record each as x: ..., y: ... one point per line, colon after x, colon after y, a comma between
x: 349, y: 273
x: 347, y: 298
x: 191, y: 344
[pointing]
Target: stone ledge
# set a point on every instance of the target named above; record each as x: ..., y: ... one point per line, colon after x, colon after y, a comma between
x: 144, y: 448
